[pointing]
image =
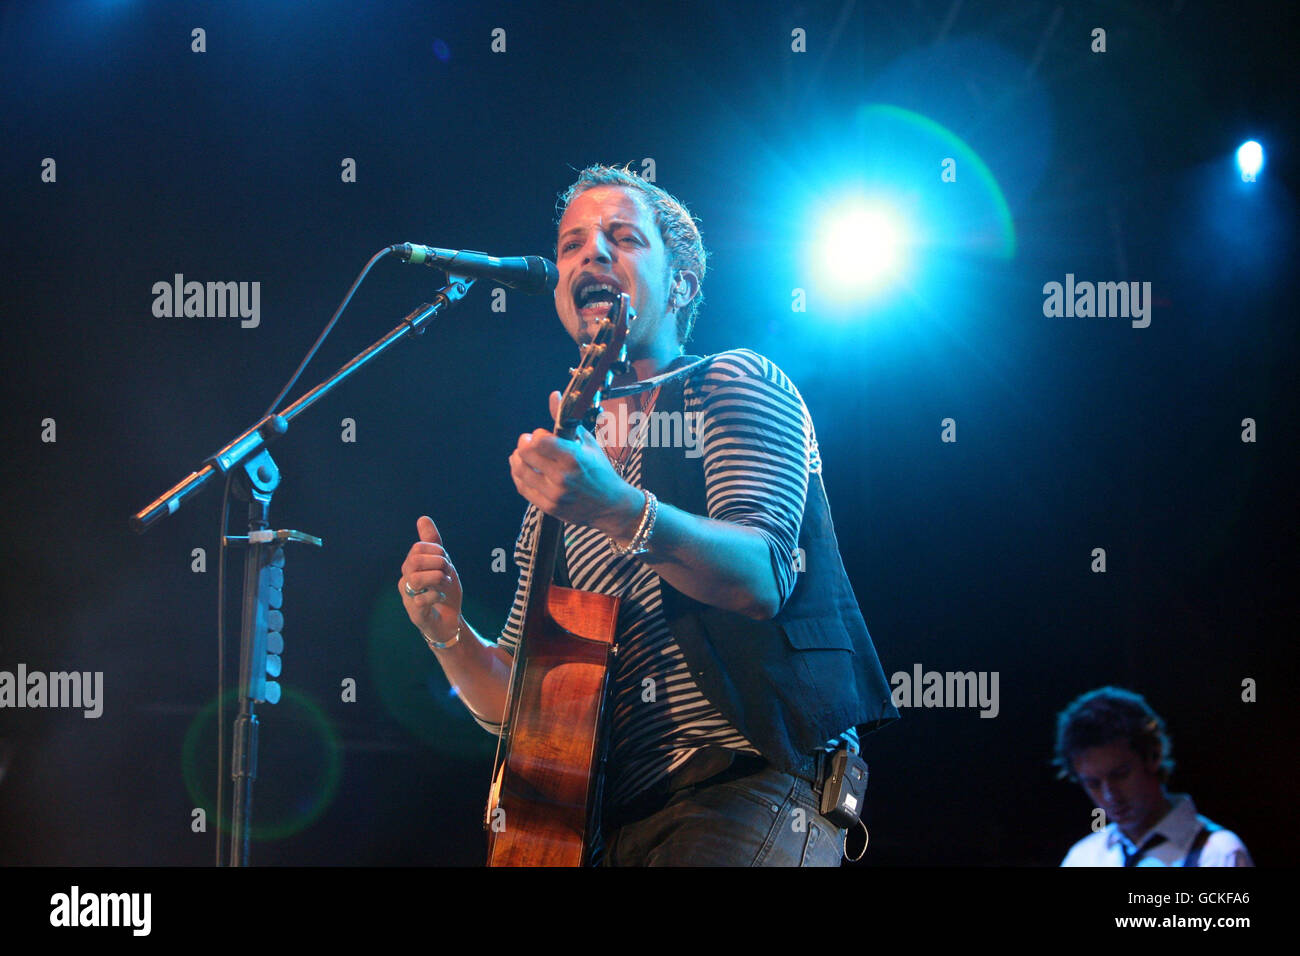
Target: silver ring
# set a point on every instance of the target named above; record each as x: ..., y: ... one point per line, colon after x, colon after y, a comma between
x: 409, y: 592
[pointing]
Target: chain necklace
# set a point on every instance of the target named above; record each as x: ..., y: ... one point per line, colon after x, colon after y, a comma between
x: 621, y: 460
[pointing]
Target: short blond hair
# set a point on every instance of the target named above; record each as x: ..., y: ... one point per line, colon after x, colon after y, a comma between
x: 678, y: 228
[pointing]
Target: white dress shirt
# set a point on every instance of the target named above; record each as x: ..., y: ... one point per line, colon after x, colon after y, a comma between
x: 1169, y: 842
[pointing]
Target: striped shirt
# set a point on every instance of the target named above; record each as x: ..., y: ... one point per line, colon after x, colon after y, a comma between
x: 756, y: 439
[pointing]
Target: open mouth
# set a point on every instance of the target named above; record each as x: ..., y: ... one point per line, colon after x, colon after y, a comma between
x: 593, y: 295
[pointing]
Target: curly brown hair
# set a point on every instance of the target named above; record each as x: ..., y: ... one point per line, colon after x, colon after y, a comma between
x: 1105, y: 715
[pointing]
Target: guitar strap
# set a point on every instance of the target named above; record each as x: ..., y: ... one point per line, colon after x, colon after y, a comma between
x: 692, y: 361
x: 562, y: 562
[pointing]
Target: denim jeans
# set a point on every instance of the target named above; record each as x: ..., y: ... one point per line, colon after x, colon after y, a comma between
x: 768, y: 818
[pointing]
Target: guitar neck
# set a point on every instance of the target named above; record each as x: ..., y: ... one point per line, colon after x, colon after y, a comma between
x: 544, y: 555
x: 547, y: 546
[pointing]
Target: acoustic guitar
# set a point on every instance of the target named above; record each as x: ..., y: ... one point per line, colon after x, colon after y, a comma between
x: 544, y: 800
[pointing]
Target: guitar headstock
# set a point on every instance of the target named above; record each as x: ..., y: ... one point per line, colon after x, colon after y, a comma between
x: 596, y: 369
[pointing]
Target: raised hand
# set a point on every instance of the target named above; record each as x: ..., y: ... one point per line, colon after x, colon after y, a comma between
x: 430, y: 586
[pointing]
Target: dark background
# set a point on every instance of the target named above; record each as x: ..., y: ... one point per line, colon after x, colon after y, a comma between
x: 1072, y: 433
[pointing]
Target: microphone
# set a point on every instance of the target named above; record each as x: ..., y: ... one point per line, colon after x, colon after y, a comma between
x: 531, y: 274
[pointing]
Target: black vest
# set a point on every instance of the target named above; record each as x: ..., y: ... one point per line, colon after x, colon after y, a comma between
x: 792, y: 683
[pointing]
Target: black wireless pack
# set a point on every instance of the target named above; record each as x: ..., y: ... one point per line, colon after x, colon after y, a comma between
x: 845, y: 789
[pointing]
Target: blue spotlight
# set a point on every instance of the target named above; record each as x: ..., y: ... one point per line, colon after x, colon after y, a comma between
x: 861, y: 249
x: 1250, y: 159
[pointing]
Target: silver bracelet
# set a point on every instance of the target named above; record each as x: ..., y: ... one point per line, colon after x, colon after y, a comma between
x: 439, y: 646
x: 641, y: 539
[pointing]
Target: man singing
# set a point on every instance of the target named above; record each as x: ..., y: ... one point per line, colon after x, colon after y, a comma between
x: 739, y: 670
x: 1112, y: 743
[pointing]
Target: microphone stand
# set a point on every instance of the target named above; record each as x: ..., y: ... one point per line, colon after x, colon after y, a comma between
x: 261, y: 620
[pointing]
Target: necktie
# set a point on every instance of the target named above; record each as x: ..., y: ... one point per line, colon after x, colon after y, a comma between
x: 1130, y: 859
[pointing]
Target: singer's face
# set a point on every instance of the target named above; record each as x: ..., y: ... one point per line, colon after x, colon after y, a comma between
x: 608, y: 237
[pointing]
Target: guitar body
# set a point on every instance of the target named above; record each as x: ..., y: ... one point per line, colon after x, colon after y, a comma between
x: 545, y: 796
x: 547, y: 785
